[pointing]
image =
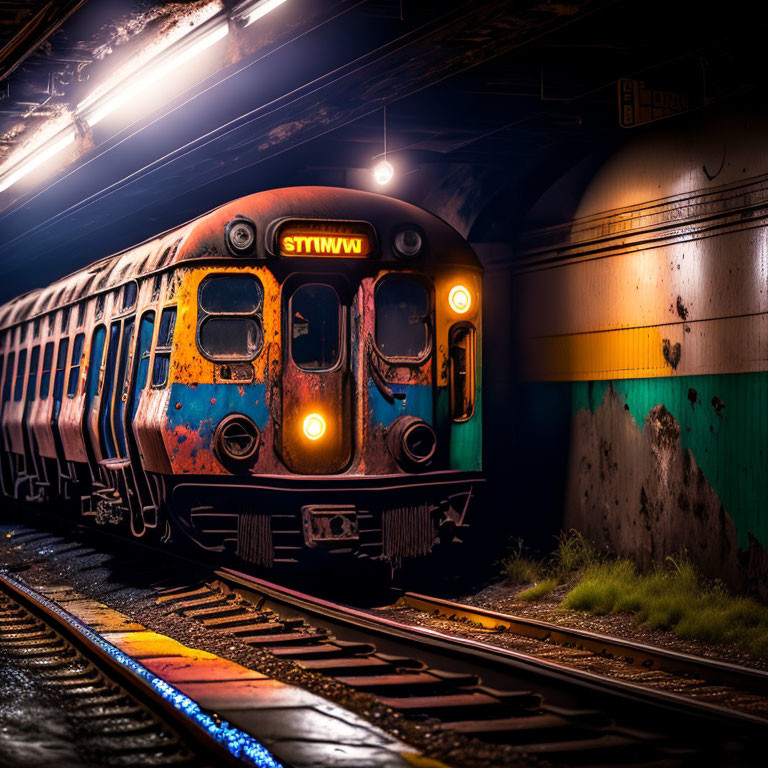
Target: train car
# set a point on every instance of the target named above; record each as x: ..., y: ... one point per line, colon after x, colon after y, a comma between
x: 291, y: 376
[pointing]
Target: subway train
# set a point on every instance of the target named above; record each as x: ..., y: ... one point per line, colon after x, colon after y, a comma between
x: 291, y: 379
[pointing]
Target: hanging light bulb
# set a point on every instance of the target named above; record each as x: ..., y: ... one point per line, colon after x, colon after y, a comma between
x: 383, y: 172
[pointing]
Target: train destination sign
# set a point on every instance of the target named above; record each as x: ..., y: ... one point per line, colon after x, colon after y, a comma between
x: 324, y: 239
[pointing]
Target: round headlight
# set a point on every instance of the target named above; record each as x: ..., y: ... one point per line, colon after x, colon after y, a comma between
x: 314, y: 426
x: 241, y: 236
x: 460, y: 299
x: 408, y: 243
x: 237, y: 438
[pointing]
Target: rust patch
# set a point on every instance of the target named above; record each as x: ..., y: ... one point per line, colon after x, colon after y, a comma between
x: 682, y: 310
x: 672, y: 353
x: 718, y: 405
x: 693, y: 396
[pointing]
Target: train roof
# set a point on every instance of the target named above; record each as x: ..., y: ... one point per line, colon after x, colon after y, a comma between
x: 204, y: 237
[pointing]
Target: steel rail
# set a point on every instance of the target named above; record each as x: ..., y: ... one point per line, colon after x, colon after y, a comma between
x: 630, y: 651
x: 213, y: 738
x: 545, y: 676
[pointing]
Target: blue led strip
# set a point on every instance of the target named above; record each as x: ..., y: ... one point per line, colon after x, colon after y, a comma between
x: 239, y: 743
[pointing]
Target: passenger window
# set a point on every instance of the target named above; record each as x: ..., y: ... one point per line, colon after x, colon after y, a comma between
x: 100, y: 301
x: 34, y: 361
x: 129, y: 295
x: 8, y: 377
x: 65, y: 313
x: 21, y: 370
x: 45, y: 375
x: 163, y: 349
x: 402, y: 313
x: 94, y: 364
x: 81, y: 313
x: 61, y: 366
x: 315, y: 327
x: 143, y: 348
x: 229, y: 317
x: 157, y: 284
x: 74, y: 365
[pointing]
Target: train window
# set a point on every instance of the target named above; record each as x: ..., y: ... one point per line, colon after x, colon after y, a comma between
x: 143, y: 347
x: 94, y: 365
x: 22, y: 333
x: 81, y: 307
x: 65, y: 313
x: 121, y: 385
x: 129, y: 295
x: 61, y: 365
x: 163, y: 349
x: 315, y: 327
x: 74, y: 365
x: 21, y: 370
x: 230, y: 338
x: 34, y: 361
x: 45, y: 374
x: 36, y: 328
x: 462, y: 371
x: 157, y: 284
x: 402, y: 318
x: 100, y: 300
x: 8, y: 377
x: 229, y: 320
x: 230, y: 295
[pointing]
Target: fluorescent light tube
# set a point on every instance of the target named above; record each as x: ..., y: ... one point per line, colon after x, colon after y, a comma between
x: 36, y: 158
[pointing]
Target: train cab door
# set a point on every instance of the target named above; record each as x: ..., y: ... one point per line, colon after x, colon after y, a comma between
x: 316, y: 428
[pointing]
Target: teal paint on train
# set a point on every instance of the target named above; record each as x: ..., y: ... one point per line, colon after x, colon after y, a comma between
x: 723, y: 421
x: 203, y: 406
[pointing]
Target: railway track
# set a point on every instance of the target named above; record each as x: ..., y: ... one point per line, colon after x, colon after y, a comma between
x: 520, y: 704
x: 639, y: 655
x: 123, y: 714
x: 530, y: 705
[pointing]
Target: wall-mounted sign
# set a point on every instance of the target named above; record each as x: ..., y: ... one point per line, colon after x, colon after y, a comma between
x: 325, y: 239
x: 639, y: 104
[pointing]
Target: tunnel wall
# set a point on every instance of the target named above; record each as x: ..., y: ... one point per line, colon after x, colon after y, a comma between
x: 650, y: 306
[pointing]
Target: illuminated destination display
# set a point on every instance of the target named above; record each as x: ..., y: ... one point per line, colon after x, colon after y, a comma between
x: 322, y: 239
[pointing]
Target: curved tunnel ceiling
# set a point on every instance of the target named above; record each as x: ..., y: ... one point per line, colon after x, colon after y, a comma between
x: 485, y: 102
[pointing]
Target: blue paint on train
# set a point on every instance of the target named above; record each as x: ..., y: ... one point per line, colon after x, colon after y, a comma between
x: 203, y: 406
x: 417, y: 402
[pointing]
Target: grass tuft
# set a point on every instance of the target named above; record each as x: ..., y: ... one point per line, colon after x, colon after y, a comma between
x: 672, y: 598
x: 519, y: 568
x: 572, y: 554
x: 539, y: 591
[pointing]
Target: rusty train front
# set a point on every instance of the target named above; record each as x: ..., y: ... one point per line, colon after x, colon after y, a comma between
x: 290, y: 378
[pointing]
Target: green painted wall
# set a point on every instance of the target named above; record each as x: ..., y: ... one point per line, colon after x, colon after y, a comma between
x: 731, y: 447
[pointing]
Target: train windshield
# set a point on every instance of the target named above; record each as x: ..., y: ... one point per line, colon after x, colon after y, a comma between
x: 230, y: 317
x: 402, y: 310
x: 315, y: 327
